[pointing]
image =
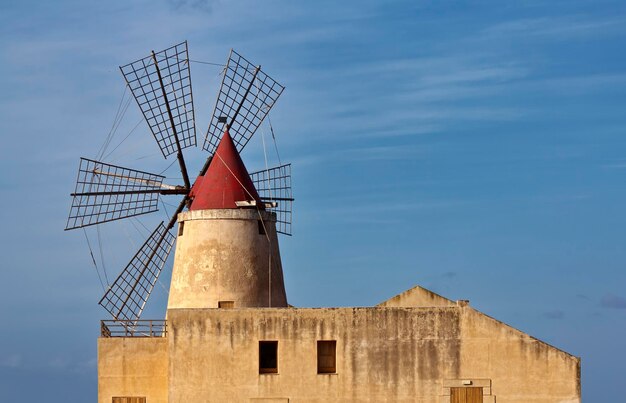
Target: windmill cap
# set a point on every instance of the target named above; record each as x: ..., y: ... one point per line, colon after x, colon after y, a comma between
x: 226, y: 184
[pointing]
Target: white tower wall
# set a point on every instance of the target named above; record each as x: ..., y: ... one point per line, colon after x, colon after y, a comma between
x: 224, y: 256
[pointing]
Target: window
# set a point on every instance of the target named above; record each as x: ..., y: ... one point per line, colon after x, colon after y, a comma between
x: 226, y: 304
x: 326, y: 356
x: 268, y: 357
x: 129, y: 399
x: 181, y: 227
x: 261, y: 227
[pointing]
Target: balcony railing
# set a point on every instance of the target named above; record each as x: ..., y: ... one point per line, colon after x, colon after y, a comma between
x: 129, y: 328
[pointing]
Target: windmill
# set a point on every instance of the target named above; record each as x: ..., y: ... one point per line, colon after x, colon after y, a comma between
x: 161, y: 85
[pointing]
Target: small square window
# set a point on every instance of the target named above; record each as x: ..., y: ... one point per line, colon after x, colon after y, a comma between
x: 226, y: 304
x: 326, y: 356
x: 181, y: 228
x: 268, y: 357
x: 261, y: 227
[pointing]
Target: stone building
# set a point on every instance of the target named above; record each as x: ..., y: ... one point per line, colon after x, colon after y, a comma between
x: 230, y: 335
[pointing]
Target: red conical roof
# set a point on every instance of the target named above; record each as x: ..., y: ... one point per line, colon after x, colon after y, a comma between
x: 225, y: 182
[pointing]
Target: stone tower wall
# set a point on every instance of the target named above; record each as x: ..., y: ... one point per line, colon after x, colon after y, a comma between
x: 224, y: 256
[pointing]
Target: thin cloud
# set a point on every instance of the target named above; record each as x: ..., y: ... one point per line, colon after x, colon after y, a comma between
x: 564, y: 27
x: 193, y: 5
x: 421, y: 95
x: 612, y: 301
x: 381, y: 153
x: 474, y: 75
x: 386, y: 207
x: 11, y: 361
x: 362, y: 154
x: 554, y: 315
x: 59, y: 363
x: 616, y: 165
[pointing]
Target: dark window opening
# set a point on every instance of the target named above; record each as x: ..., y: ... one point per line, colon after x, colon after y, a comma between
x: 261, y: 227
x: 326, y: 356
x: 129, y: 399
x: 226, y: 304
x: 268, y: 357
x: 181, y: 227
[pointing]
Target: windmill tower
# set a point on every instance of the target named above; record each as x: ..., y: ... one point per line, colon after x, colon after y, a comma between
x: 416, y: 346
x: 227, y: 248
x: 227, y: 251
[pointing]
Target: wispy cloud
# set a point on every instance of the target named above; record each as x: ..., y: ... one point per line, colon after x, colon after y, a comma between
x: 350, y: 210
x: 409, y: 96
x: 11, y: 361
x: 563, y: 27
x: 59, y: 363
x: 369, y: 153
x: 381, y: 153
x: 615, y: 165
x: 612, y: 301
x: 193, y: 5
x: 554, y: 315
x: 90, y: 364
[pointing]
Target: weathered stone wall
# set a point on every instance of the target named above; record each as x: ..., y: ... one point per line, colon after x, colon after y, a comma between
x: 222, y: 256
x: 417, y: 297
x: 133, y: 367
x: 522, y: 369
x: 383, y: 355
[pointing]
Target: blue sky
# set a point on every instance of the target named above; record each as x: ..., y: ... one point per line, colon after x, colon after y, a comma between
x: 476, y: 149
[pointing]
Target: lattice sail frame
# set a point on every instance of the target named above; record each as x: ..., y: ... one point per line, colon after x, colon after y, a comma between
x: 127, y: 296
x: 143, y: 80
x: 90, y: 206
x: 106, y: 192
x: 242, y: 83
x: 274, y: 184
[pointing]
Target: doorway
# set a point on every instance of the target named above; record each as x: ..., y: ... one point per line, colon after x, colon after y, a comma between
x: 466, y: 395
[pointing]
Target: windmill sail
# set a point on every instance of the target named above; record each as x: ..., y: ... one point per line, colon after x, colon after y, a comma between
x: 106, y: 192
x: 274, y: 185
x: 127, y: 296
x: 246, y: 96
x: 161, y: 85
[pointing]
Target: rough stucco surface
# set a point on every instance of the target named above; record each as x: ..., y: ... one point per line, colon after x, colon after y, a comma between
x: 133, y: 367
x: 221, y: 256
x: 417, y: 297
x: 382, y: 354
x: 522, y: 369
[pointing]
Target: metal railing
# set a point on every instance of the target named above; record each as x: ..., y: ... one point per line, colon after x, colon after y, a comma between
x: 129, y: 328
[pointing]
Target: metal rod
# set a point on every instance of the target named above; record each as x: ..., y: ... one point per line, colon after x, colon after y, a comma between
x: 120, y: 167
x: 179, y: 154
x: 177, y: 191
x: 133, y: 179
x: 180, y: 208
x: 206, y: 165
x: 256, y: 71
